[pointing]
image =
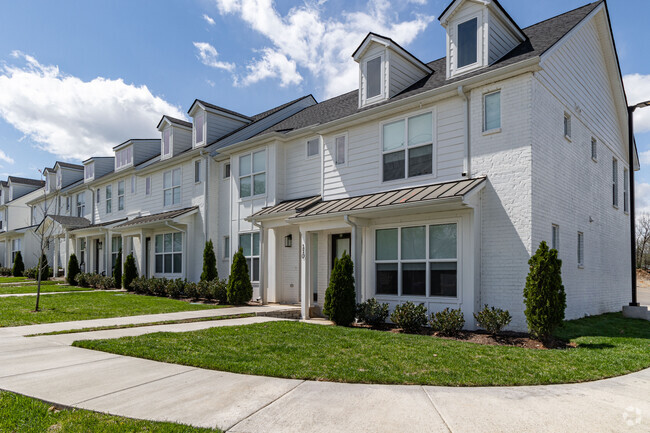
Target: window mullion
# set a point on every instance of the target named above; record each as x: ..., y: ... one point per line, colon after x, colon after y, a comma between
x: 406, y: 148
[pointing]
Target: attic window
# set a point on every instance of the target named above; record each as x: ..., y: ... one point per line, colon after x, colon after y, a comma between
x: 373, y: 77
x: 198, y: 127
x: 90, y: 171
x: 167, y: 141
x: 467, y: 42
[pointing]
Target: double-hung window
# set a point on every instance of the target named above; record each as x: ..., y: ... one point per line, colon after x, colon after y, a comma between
x: 340, y: 148
x: 169, y: 253
x: 626, y: 190
x: 313, y: 147
x: 492, y: 111
x: 120, y: 195
x: 167, y: 141
x: 555, y: 237
x: 197, y: 171
x: 116, y: 246
x: 467, y: 43
x: 172, y: 187
x: 252, y: 174
x: 417, y: 261
x: 250, y: 244
x: 15, y: 247
x: 615, y: 182
x: 81, y: 204
x: 408, y: 147
x: 109, y: 198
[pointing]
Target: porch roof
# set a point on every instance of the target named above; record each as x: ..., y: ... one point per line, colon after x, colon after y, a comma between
x: 100, y: 225
x: 288, y: 207
x: 69, y: 222
x: 419, y: 194
x: 158, y: 217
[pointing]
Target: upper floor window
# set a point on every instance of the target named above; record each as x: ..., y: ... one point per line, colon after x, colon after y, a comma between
x: 467, y: 43
x: 197, y: 171
x: 147, y: 185
x: 555, y: 237
x: 172, y: 187
x: 198, y: 127
x: 340, y: 150
x: 615, y: 182
x: 226, y: 170
x: 89, y: 171
x: 373, y: 77
x: 124, y: 157
x: 313, y: 147
x: 567, y: 126
x: 59, y: 179
x: 492, y: 111
x: 133, y: 184
x: 594, y: 149
x: 98, y: 197
x: 120, y: 195
x: 252, y: 174
x: 626, y: 190
x: 81, y: 204
x: 581, y: 249
x: 408, y: 147
x: 109, y: 198
x: 167, y: 139
x: 67, y: 204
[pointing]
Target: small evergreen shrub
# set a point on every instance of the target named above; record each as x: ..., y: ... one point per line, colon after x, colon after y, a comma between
x: 73, y: 270
x: 94, y: 280
x: 192, y: 290
x: 219, y: 290
x: 372, y: 313
x: 130, y: 271
x: 106, y: 283
x: 6, y: 272
x: 240, y: 289
x: 209, y: 263
x: 544, y: 294
x: 340, y: 296
x: 117, y: 269
x: 493, y: 320
x: 447, y: 322
x: 46, y: 271
x: 32, y: 273
x: 176, y: 289
x: 19, y: 266
x: 82, y: 279
x: 410, y: 317
x: 138, y: 285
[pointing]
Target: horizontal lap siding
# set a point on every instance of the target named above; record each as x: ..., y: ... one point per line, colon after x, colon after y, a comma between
x: 501, y: 41
x: 301, y: 175
x: 218, y: 126
x: 402, y: 73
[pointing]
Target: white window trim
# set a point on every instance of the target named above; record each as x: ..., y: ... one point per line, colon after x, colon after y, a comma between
x: 80, y: 205
x: 615, y: 195
x: 382, y: 80
x: 179, y: 186
x: 458, y: 299
x: 493, y: 130
x: 126, y: 164
x: 568, y: 116
x: 252, y: 257
x: 197, y: 164
x: 316, y: 155
x: 335, y: 150
x: 147, y: 185
x: 168, y: 155
x: 163, y: 274
x: 89, y: 168
x: 123, y: 196
x: 455, y: 70
x: 203, y: 127
x: 227, y: 172
x: 108, y: 198
x: 434, y: 150
x: 626, y: 190
x: 252, y: 174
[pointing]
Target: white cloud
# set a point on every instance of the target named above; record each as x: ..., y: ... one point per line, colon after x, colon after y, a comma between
x: 305, y: 38
x: 208, y: 19
x: 76, y: 119
x: 642, y: 198
x: 6, y: 158
x: 637, y: 88
x: 208, y: 56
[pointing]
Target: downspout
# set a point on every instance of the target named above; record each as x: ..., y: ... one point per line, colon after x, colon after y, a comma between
x: 353, y: 251
x: 466, y: 159
x: 263, y: 263
x: 206, y: 201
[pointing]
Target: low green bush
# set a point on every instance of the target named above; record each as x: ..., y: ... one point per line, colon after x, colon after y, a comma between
x: 214, y: 290
x: 5, y: 272
x: 372, y: 313
x: 82, y: 279
x: 410, y: 317
x: 447, y: 322
x: 32, y: 273
x: 492, y: 319
x: 19, y: 266
x: 73, y: 270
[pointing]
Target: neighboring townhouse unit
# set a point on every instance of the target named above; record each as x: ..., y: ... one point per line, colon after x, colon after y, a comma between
x: 440, y: 179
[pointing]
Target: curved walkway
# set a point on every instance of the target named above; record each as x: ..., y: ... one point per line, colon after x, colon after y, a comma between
x: 49, y: 369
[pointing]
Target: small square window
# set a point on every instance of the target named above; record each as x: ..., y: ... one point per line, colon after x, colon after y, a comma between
x: 313, y: 147
x: 567, y: 126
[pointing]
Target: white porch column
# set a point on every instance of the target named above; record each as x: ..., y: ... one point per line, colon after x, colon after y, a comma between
x: 143, y: 258
x: 305, y: 295
x: 107, y: 253
x: 263, y: 264
x: 66, y: 252
x: 56, y: 255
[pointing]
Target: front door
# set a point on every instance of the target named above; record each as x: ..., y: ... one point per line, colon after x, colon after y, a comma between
x: 340, y: 244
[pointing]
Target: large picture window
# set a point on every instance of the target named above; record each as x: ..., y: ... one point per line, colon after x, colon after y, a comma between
x: 169, y: 253
x: 172, y: 187
x: 252, y: 174
x: 250, y: 244
x: 408, y: 147
x: 417, y: 261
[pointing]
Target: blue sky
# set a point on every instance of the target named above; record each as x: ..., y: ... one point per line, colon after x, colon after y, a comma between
x: 78, y: 77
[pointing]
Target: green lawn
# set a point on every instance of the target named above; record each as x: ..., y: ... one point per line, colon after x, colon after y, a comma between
x: 608, y: 345
x: 21, y: 281
x: 27, y: 415
x: 45, y: 288
x: 12, y: 279
x: 18, y: 311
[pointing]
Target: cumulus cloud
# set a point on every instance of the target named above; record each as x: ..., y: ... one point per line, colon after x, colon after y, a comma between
x: 208, y: 56
x: 637, y: 88
x: 642, y: 197
x: 208, y: 19
x: 305, y: 38
x: 76, y: 119
x: 6, y: 158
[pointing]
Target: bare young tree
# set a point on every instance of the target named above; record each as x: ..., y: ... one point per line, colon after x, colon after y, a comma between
x: 642, y: 240
x: 44, y: 234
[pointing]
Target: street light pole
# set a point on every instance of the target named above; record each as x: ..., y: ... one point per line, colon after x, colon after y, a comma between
x: 630, y: 117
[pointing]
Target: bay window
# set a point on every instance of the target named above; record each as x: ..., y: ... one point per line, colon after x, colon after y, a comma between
x: 252, y: 174
x: 169, y: 253
x: 250, y: 244
x: 172, y: 187
x: 408, y: 147
x: 417, y: 261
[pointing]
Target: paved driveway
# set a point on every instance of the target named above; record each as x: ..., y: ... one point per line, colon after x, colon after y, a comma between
x: 643, y: 295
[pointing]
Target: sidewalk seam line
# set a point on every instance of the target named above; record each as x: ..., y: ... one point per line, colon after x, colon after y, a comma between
x: 58, y: 368
x: 436, y: 408
x: 226, y: 430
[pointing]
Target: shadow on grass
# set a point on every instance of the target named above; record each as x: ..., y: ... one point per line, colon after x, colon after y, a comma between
x: 610, y: 325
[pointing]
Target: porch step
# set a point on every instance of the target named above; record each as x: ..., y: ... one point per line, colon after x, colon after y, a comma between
x: 289, y: 313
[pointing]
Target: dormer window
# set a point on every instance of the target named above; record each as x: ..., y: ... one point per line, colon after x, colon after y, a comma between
x: 467, y: 43
x: 198, y: 128
x: 59, y: 180
x: 89, y: 172
x: 123, y: 158
x: 167, y: 142
x: 373, y: 77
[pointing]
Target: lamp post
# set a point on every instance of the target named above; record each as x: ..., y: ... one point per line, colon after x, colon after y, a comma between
x: 630, y: 117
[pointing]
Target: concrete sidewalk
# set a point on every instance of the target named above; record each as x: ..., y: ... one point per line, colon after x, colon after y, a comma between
x: 47, y: 368
x: 12, y: 295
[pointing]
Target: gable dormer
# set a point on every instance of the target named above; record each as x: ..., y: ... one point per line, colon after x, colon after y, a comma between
x: 50, y: 180
x: 97, y: 166
x: 385, y: 69
x: 20, y: 186
x: 66, y: 174
x: 479, y: 33
x: 135, y: 151
x: 4, y: 192
x: 176, y: 136
x: 212, y: 122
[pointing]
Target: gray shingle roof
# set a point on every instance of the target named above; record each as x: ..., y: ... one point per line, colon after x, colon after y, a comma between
x: 157, y: 217
x: 26, y: 181
x: 175, y: 121
x: 70, y: 222
x: 68, y: 165
x: 541, y: 37
x: 216, y: 107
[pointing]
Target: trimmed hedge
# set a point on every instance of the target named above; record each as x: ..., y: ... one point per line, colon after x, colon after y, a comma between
x: 214, y: 290
x: 410, y: 317
x: 95, y: 281
x: 372, y: 313
x: 447, y: 322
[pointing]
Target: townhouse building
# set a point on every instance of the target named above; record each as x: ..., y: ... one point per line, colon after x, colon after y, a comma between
x: 439, y: 178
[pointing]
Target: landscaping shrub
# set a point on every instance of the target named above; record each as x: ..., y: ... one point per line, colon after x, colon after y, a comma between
x: 192, y: 290
x: 32, y: 273
x: 46, y: 271
x: 176, y: 289
x: 5, y: 272
x: 117, y: 269
x: 240, y: 289
x: 447, y: 322
x: 410, y: 317
x: 209, y: 263
x: 215, y: 290
x: 82, y: 279
x: 372, y: 313
x: 130, y: 271
x: 340, y: 296
x: 94, y: 280
x: 106, y: 283
x: 544, y: 294
x: 19, y: 266
x: 493, y: 319
x: 73, y: 270
x: 138, y: 284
